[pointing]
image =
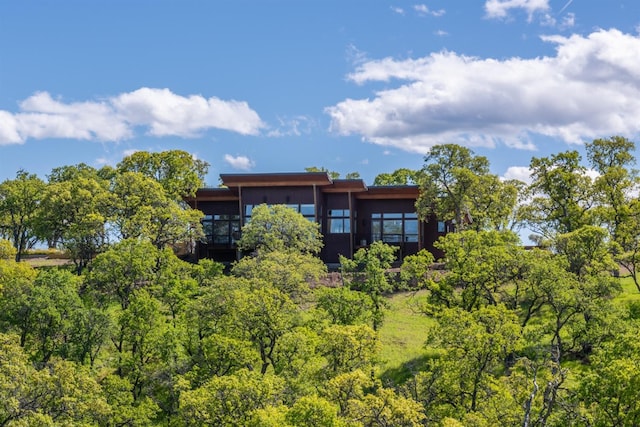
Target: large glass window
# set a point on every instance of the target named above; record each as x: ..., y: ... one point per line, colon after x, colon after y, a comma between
x: 339, y: 221
x: 221, y: 229
x: 306, y: 209
x: 394, y: 227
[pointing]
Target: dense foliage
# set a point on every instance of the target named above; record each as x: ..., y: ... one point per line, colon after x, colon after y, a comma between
x: 132, y: 335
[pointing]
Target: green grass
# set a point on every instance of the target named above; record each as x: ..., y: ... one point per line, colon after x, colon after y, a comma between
x: 629, y: 291
x: 47, y: 262
x: 404, y: 331
x: 402, y: 336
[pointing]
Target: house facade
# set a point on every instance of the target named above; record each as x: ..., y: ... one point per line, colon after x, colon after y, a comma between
x: 351, y: 214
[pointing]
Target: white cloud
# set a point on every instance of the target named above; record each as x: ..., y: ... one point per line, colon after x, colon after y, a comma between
x: 113, y: 119
x: 422, y: 9
x: 294, y: 126
x: 129, y: 152
x: 166, y: 113
x: 42, y: 117
x: 355, y: 56
x: 521, y: 173
x: 568, y: 21
x: 589, y: 89
x: 398, y: 10
x: 9, y: 133
x: 501, y: 8
x: 239, y: 162
x: 441, y: 33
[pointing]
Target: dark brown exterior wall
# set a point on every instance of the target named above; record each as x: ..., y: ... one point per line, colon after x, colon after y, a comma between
x: 368, y: 207
x: 346, y: 195
x: 222, y: 253
x: 335, y: 244
x: 277, y: 195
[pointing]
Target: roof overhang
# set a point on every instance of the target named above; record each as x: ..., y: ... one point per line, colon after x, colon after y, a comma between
x: 293, y: 179
x: 213, y: 195
x: 391, y: 192
x: 345, y: 186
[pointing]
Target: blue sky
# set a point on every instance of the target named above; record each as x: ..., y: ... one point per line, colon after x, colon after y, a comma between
x: 277, y: 86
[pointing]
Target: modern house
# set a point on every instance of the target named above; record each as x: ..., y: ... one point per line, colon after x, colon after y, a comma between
x: 351, y: 214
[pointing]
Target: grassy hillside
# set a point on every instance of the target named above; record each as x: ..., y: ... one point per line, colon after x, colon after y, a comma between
x: 403, y: 335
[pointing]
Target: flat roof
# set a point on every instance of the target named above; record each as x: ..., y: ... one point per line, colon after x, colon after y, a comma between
x: 391, y: 192
x: 345, y: 186
x: 276, y: 179
x: 233, y: 182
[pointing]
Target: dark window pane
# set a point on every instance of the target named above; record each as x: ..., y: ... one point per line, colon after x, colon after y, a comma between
x: 376, y: 231
x: 307, y: 210
x: 336, y: 226
x: 411, y: 226
x: 393, y: 226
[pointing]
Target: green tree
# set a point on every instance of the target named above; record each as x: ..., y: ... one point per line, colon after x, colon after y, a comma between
x: 616, y: 182
x: 313, y: 411
x: 75, y: 210
x: 451, y: 176
x: 611, y: 389
x: 415, y: 270
x: 614, y: 188
x: 494, y: 203
x: 586, y: 251
x: 125, y: 411
x: 19, y: 206
x: 402, y: 176
x: 332, y: 174
x: 178, y: 172
x: 367, y: 272
x: 385, y: 408
x: 216, y: 345
x: 280, y: 228
x: 128, y: 266
x: 627, y: 253
x: 144, y: 210
x: 352, y: 175
x: 561, y: 195
x: 230, y: 400
x: 141, y: 342
x: 478, y: 264
x: 53, y: 305
x: 298, y: 362
x: 289, y: 271
x: 344, y: 306
x: 474, y: 348
x: 91, y: 329
x: 16, y: 284
x: 263, y: 316
x: 174, y: 284
x: 346, y: 387
x: 348, y: 347
x: 7, y: 250
x: 60, y: 394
